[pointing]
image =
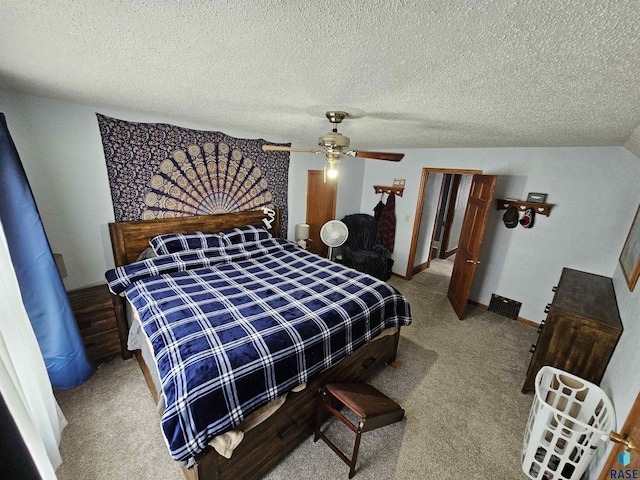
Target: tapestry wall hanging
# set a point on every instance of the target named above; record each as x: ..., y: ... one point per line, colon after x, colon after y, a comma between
x: 161, y: 171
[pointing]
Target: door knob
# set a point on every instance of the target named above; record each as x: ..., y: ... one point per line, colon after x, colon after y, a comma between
x: 475, y: 263
x: 628, y: 443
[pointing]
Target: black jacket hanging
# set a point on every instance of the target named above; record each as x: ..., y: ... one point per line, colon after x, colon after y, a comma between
x: 377, y: 211
x: 387, y: 224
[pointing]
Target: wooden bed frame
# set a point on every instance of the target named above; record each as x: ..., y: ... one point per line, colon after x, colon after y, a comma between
x: 267, y: 443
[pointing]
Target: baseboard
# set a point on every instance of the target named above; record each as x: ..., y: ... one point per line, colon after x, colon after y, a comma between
x: 403, y: 277
x: 421, y: 267
x: 448, y: 253
x: 520, y: 319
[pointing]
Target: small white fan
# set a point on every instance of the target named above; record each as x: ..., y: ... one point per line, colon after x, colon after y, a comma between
x: 333, y: 234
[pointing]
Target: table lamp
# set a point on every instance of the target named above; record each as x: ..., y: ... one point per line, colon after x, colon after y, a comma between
x: 302, y: 234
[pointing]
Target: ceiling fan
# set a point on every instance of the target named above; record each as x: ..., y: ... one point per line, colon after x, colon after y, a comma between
x: 335, y: 144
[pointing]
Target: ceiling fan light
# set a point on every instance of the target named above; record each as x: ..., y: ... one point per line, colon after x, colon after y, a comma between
x: 331, y: 169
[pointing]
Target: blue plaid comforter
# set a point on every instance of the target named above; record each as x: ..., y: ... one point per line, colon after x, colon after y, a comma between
x: 233, y: 328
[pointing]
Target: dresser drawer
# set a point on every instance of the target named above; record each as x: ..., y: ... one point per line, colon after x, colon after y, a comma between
x: 95, y: 311
x: 358, y: 369
x: 89, y: 299
x: 102, y: 344
x: 96, y: 321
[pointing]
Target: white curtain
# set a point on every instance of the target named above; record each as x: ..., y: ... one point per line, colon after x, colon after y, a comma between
x: 24, y: 382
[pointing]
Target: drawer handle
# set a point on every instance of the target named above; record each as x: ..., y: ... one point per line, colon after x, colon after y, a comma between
x: 367, y: 363
x: 532, y: 349
x: 554, y: 289
x: 547, y: 308
x: 287, y: 431
x: 541, y: 325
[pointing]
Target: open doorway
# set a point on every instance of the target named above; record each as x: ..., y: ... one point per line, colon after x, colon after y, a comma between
x: 444, y: 203
x: 442, y: 200
x: 471, y: 233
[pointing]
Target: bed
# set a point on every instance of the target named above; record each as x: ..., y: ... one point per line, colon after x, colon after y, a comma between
x: 266, y: 443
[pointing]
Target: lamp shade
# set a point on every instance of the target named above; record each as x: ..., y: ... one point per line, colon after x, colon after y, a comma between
x: 302, y: 231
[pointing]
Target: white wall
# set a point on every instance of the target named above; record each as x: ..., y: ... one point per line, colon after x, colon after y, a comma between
x: 462, y: 198
x: 621, y: 380
x: 61, y: 150
x: 431, y: 197
x: 595, y: 192
x: 350, y: 175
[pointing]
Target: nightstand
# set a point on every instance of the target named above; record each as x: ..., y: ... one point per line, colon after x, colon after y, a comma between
x: 95, y: 311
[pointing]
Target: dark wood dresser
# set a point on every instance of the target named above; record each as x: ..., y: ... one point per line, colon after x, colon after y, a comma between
x: 95, y: 311
x: 581, y: 330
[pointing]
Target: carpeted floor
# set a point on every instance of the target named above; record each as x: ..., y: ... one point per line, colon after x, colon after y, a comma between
x: 459, y: 385
x: 437, y: 276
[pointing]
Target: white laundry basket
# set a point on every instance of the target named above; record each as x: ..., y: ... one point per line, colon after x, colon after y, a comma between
x: 569, y: 419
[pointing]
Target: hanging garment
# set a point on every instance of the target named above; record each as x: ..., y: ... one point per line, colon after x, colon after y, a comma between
x: 43, y: 293
x: 387, y: 223
x: 377, y: 211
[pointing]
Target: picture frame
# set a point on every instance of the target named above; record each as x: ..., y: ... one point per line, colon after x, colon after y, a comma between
x: 630, y: 255
x: 536, y: 197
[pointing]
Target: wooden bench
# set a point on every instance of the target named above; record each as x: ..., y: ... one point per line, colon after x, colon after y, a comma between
x: 372, y: 408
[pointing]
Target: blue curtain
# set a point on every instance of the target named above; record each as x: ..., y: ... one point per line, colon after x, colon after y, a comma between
x: 43, y: 293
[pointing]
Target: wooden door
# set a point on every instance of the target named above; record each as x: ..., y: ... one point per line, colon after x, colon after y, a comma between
x: 321, y: 207
x: 630, y: 431
x: 475, y: 219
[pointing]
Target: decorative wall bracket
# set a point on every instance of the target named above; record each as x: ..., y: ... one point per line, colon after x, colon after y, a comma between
x: 539, y: 208
x: 395, y: 190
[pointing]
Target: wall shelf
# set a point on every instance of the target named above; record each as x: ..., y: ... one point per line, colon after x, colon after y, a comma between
x: 395, y: 190
x: 539, y: 208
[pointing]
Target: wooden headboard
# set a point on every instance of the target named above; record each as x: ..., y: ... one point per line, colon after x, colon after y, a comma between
x: 129, y: 239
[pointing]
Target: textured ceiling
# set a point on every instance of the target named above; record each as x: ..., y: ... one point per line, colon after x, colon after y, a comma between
x: 466, y: 73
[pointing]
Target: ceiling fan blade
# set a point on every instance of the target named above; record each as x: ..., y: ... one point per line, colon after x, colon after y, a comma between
x: 274, y: 148
x: 392, y: 157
